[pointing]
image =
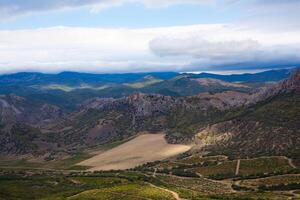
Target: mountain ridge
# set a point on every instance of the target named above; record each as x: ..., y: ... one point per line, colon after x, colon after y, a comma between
x: 104, y: 120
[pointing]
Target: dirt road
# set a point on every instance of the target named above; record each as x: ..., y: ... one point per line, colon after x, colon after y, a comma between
x: 237, y: 170
x: 175, y: 195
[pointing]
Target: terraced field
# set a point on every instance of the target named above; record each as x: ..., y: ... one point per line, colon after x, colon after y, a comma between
x: 173, y: 178
x: 264, y: 165
x: 218, y: 167
x: 170, y: 165
x: 226, y: 168
x: 125, y: 192
x: 99, y: 182
x: 194, y: 159
x: 64, y: 185
x: 198, y: 184
x: 273, y: 180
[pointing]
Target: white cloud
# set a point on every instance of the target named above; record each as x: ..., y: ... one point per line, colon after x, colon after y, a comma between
x: 80, y: 49
x: 154, y: 49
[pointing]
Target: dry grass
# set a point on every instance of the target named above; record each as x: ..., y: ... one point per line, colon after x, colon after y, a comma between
x: 226, y: 168
x: 142, y: 149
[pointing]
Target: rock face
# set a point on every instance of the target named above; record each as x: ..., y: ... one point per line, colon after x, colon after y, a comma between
x: 142, y: 104
x: 292, y: 84
x: 100, y: 121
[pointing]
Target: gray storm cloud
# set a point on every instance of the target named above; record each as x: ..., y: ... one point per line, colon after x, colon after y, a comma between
x: 231, y: 54
x: 201, y: 48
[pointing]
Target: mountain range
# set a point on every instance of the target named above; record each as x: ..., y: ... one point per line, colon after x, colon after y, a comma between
x: 221, y: 114
x: 68, y: 89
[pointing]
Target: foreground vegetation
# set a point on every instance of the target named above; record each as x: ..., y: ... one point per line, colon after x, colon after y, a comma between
x: 116, y: 185
x: 257, y: 179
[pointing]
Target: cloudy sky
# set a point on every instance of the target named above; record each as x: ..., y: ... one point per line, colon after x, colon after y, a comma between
x: 109, y: 36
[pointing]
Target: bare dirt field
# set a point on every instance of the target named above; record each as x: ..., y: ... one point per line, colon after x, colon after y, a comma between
x: 140, y: 150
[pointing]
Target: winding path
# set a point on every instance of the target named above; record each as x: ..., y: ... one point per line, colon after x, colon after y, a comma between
x: 291, y: 163
x: 237, y: 170
x: 175, y: 195
x: 154, y: 173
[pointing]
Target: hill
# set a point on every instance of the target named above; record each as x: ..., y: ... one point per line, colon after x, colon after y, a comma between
x: 270, y: 127
x: 261, y: 77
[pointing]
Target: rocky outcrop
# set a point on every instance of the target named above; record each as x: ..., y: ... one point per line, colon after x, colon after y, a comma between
x: 225, y: 100
x: 292, y: 84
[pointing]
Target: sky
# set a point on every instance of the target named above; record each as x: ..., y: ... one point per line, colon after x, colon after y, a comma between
x: 116, y: 36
